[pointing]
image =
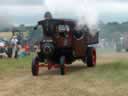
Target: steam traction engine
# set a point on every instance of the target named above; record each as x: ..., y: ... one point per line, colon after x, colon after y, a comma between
x: 62, y: 44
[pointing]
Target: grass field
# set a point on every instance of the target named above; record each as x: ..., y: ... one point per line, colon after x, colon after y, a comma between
x: 108, y: 78
x: 8, y: 35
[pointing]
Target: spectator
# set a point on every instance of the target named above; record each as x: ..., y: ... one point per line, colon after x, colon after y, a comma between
x: 14, y: 42
x: 27, y: 48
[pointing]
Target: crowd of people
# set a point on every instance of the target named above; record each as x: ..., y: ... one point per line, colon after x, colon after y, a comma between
x: 14, y: 49
x: 18, y: 49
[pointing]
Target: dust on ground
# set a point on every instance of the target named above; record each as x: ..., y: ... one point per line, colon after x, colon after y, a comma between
x: 78, y: 81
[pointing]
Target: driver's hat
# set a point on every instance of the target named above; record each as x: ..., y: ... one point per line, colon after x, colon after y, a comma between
x: 47, y: 15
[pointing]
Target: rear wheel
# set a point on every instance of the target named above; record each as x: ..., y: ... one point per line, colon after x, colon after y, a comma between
x: 62, y: 67
x: 91, y: 57
x: 35, y: 66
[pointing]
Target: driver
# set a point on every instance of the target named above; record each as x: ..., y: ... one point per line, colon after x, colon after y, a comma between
x: 47, y: 25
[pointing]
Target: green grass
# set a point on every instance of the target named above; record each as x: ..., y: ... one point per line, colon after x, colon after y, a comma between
x: 113, y: 71
x: 12, y: 65
x: 116, y: 71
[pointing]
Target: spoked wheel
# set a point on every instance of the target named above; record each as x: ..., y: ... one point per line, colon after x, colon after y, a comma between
x: 91, y: 57
x: 62, y: 67
x: 35, y: 66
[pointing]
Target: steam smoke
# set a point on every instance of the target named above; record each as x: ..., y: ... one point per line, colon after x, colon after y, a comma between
x: 84, y: 11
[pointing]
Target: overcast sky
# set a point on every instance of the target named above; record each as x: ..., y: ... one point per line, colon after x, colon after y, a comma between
x: 29, y: 11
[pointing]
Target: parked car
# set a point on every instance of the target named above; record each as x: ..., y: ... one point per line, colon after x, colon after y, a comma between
x: 3, y: 48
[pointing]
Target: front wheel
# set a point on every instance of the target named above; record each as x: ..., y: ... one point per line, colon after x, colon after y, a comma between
x: 35, y: 66
x: 91, y: 57
x: 62, y: 67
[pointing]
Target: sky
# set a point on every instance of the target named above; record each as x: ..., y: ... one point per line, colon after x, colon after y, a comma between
x: 30, y: 11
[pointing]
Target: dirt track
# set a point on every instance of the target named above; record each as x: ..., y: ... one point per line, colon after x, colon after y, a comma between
x: 111, y: 57
x: 79, y: 81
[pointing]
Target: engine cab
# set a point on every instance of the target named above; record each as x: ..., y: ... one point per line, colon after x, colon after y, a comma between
x: 63, y: 43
